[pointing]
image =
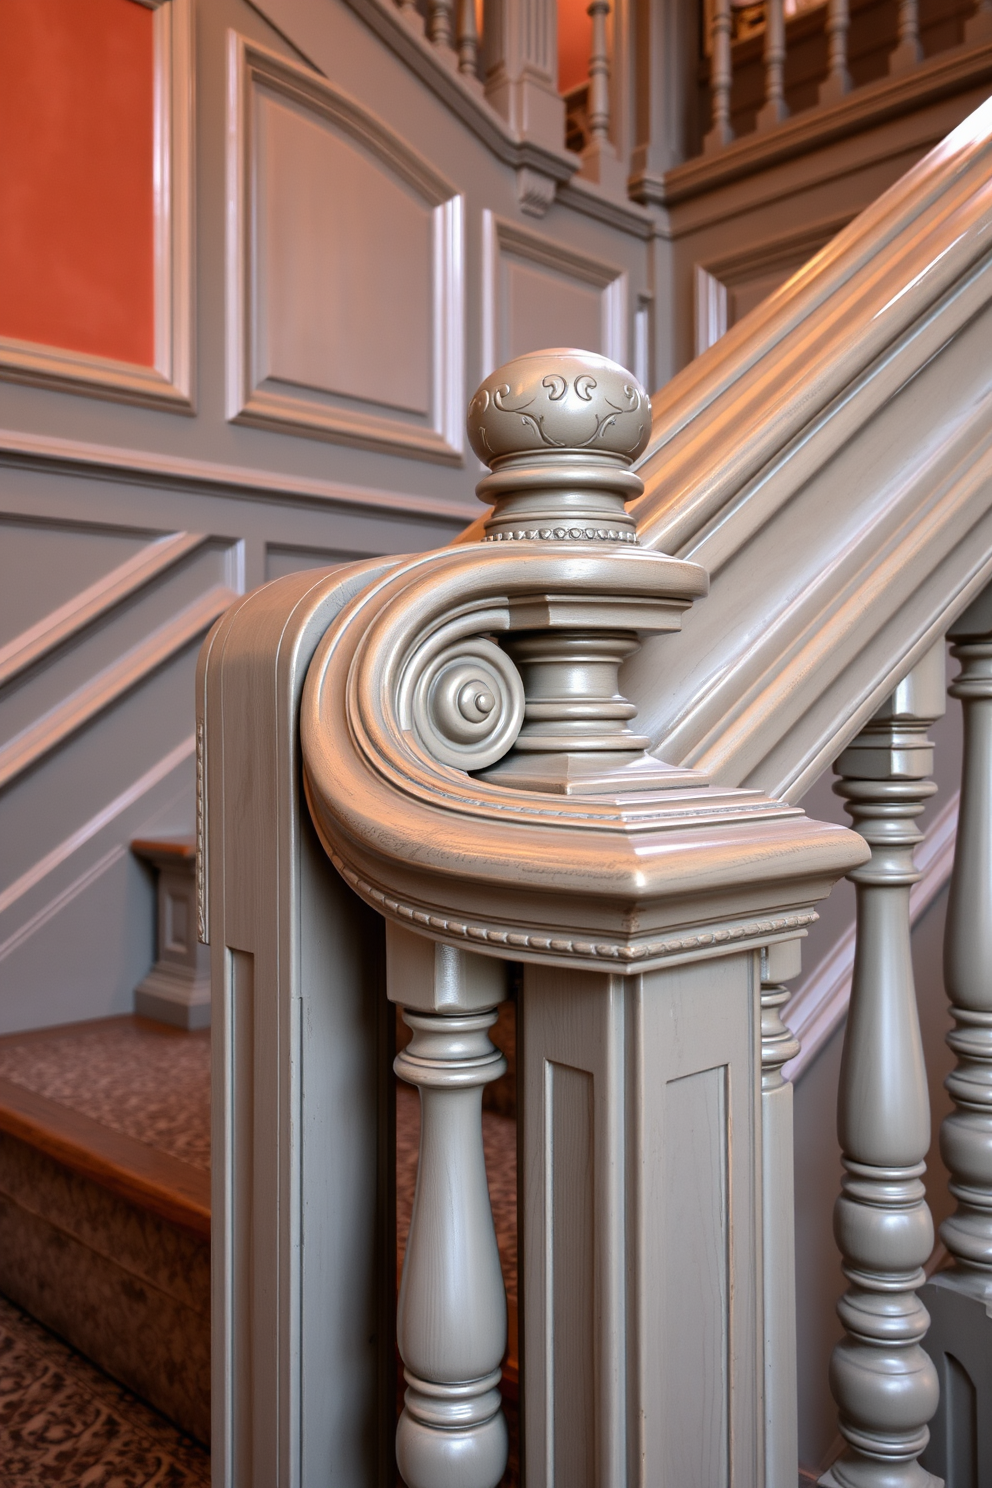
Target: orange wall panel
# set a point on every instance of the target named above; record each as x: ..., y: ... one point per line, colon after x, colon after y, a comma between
x: 76, y: 185
x: 574, y: 43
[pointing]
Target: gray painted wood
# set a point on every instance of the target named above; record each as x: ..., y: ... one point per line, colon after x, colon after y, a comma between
x: 884, y: 1383
x: 451, y: 1314
x: 960, y: 1338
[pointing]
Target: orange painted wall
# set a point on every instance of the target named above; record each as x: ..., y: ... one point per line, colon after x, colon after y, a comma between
x: 76, y: 190
x: 574, y: 42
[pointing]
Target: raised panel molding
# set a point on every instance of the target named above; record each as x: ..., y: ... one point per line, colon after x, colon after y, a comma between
x: 727, y: 288
x: 537, y: 293
x: 169, y: 383
x: 345, y: 269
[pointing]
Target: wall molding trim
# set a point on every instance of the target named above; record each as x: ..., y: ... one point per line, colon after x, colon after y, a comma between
x: 79, y: 708
x: 820, y: 1005
x: 152, y: 468
x: 253, y: 397
x: 40, y: 640
x: 500, y: 236
x: 169, y: 383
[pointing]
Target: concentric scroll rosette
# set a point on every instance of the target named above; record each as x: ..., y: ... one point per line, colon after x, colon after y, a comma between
x: 466, y: 702
x: 562, y: 400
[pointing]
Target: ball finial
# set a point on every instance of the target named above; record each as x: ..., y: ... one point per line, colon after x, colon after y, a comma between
x: 560, y: 401
x: 559, y: 430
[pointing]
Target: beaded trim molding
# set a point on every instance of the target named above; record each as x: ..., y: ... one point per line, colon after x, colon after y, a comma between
x: 594, y: 950
x: 564, y: 534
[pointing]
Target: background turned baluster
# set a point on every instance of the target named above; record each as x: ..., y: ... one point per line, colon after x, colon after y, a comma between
x: 778, y: 1045
x: 884, y: 1384
x: 775, y: 108
x: 960, y: 1339
x: 838, y: 79
x: 439, y: 22
x: 451, y: 1318
x: 721, y: 77
x: 908, y: 52
x: 468, y: 38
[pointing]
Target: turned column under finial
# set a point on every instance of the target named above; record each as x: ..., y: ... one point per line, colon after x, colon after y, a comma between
x: 883, y: 1382
x: 560, y: 430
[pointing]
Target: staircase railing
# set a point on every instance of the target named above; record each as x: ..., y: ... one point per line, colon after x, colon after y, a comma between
x: 905, y: 56
x: 475, y: 780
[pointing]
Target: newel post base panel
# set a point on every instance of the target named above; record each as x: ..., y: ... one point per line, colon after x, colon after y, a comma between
x: 960, y: 1299
x: 883, y: 1381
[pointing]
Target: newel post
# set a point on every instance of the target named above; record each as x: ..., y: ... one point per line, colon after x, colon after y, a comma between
x: 475, y: 773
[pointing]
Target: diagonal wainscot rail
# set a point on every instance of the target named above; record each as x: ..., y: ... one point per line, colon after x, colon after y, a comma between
x: 472, y: 770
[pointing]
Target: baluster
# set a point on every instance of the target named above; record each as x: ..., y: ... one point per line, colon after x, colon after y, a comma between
x: 468, y: 38
x: 960, y: 1299
x: 908, y: 51
x: 775, y: 108
x: 838, y: 79
x: 600, y: 161
x: 721, y: 77
x: 599, y: 74
x: 884, y: 1383
x: 409, y: 11
x: 439, y: 22
x: 451, y: 1317
x: 978, y: 28
x: 778, y: 1045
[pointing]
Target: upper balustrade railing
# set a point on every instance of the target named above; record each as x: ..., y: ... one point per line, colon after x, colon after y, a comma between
x: 731, y: 29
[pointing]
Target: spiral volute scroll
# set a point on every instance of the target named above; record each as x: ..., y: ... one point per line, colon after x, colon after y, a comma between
x: 466, y: 702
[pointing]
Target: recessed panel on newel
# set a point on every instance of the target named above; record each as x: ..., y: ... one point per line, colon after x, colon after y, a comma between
x: 347, y: 271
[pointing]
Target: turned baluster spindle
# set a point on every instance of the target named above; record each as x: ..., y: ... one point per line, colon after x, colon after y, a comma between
x: 838, y: 79
x: 966, y: 1134
x: 778, y: 1045
x: 908, y: 51
x: 959, y: 1298
x: 451, y: 1317
x: 599, y: 74
x: 883, y: 1382
x: 721, y: 76
x: 468, y: 38
x: 439, y: 22
x: 775, y: 108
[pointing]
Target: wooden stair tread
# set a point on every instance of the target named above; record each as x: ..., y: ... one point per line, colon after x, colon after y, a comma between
x: 154, y: 1180
x: 111, y: 1100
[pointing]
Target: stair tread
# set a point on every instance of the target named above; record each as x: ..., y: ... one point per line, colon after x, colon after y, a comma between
x: 62, y: 1421
x: 123, y: 1101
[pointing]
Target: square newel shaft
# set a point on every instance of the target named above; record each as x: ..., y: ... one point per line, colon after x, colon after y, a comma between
x: 474, y: 772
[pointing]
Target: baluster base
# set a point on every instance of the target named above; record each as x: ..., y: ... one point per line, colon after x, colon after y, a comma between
x: 960, y: 1344
x: 452, y: 1436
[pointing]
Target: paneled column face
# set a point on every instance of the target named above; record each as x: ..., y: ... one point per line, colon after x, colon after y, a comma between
x: 884, y: 1384
x: 641, y: 1157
